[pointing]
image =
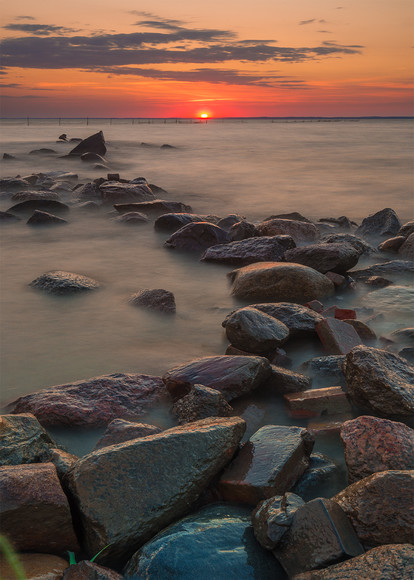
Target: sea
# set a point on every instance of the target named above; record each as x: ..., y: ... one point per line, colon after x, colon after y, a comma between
x: 254, y: 168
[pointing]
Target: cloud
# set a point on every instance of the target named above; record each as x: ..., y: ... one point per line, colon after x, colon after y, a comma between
x: 39, y: 29
x: 25, y: 18
x: 311, y: 21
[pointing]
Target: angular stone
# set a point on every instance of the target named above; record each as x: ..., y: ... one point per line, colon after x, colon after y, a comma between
x: 365, y: 333
x: 171, y: 222
x: 325, y: 371
x: 393, y: 269
x: 320, y: 535
x: 26, y: 208
x: 182, y: 461
x: 320, y: 478
x: 337, y: 279
x: 43, y: 218
x: 35, y: 514
x: 392, y: 244
x: 384, y: 223
x: 406, y: 250
x: 380, y: 380
x: 342, y: 221
x: 317, y: 402
x: 329, y: 425
x: 406, y: 229
x: 339, y: 257
x: 197, y: 237
x: 315, y: 305
x: 269, y: 464
x: 380, y: 507
x: 280, y: 281
x: 156, y: 206
x: 299, y: 230
x: 227, y: 222
x: 242, y: 231
x: 35, y: 566
x: 88, y: 192
x: 360, y: 245
x: 201, y: 402
x: 284, y: 381
x: 23, y: 440
x: 233, y: 376
x: 60, y: 282
x: 35, y: 194
x: 157, y: 299
x: 299, y: 319
x: 96, y: 401
x: 372, y: 445
x: 336, y: 336
x: 249, y: 251
x: 118, y: 192
x: 119, y: 431
x: 92, y: 144
x: 215, y: 542
x: 87, y: 570
x: 63, y: 461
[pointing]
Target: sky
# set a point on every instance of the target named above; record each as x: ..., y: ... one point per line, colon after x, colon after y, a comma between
x: 226, y: 58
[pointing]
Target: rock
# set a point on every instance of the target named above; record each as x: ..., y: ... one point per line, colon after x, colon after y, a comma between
x: 336, y: 336
x: 272, y: 518
x: 200, y: 403
x: 96, y: 401
x: 284, y: 381
x: 117, y: 192
x: 372, y: 444
x: 93, y: 144
x: 87, y: 570
x: 157, y: 206
x: 119, y: 431
x: 300, y: 320
x: 319, y: 478
x: 377, y: 282
x: 133, y: 218
x: 379, y: 380
x: 360, y: 245
x: 6, y: 218
x: 59, y: 282
x: 241, y: 253
x: 88, y: 192
x: 299, y: 230
x: 172, y: 222
x: 406, y: 250
x: 35, y: 513
x: 23, y: 440
x: 324, y: 371
x: 365, y: 333
x: 31, y: 205
x: 294, y: 215
x: 8, y: 157
x: 337, y: 279
x: 242, y: 231
x: 392, y: 244
x: 228, y: 222
x: 328, y: 425
x: 215, y: 542
x: 92, y: 157
x: 406, y: 229
x: 233, y: 376
x: 35, y: 195
x: 90, y: 206
x: 254, y: 331
x: 279, y: 281
x: 339, y: 257
x: 391, y: 562
x: 340, y: 313
x: 269, y: 464
x: 182, y: 461
x: 197, y: 237
x: 12, y: 184
x: 384, y: 223
x: 379, y: 507
x: 317, y: 402
x: 391, y: 269
x: 158, y: 299
x: 35, y: 566
x: 315, y: 305
x: 63, y: 461
x: 43, y: 151
x: 43, y: 218
x: 396, y: 301
x: 320, y: 534
x: 343, y: 222
x: 63, y: 137
x: 407, y: 354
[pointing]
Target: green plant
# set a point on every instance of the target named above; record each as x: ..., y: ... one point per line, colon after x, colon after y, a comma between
x: 12, y: 558
x: 72, y: 559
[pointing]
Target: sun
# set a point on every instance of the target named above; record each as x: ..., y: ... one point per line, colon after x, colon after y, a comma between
x: 204, y: 115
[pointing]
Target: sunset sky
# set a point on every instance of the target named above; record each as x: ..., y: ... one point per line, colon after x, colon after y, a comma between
x: 106, y: 58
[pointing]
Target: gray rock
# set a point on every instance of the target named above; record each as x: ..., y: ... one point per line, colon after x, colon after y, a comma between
x: 93, y: 144
x: 229, y: 221
x: 333, y: 257
x: 29, y: 206
x: 200, y: 403
x: 13, y: 184
x: 406, y: 250
x: 132, y: 218
x: 172, y: 222
x: 23, y: 440
x: 294, y: 215
x: 8, y: 218
x: 299, y: 319
x: 406, y: 229
x: 300, y: 231
x: 242, y: 231
x: 60, y: 282
x: 284, y: 381
x: 157, y: 299
x: 197, y: 237
x: 384, y: 223
x: 43, y: 151
x: 88, y: 192
x: 360, y: 245
x: 394, y: 300
x: 392, y: 244
x: 119, y: 431
x: 325, y: 371
x: 157, y: 206
x: 320, y: 478
x: 63, y: 461
x: 117, y: 192
x: 241, y: 253
x: 34, y: 194
x: 86, y: 570
x: 43, y: 218
x: 272, y: 518
x: 388, y: 269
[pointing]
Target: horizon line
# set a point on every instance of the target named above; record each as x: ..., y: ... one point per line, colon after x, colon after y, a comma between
x: 212, y: 118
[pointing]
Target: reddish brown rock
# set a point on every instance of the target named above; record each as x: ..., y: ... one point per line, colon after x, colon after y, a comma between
x: 392, y: 244
x: 380, y: 507
x: 63, y: 461
x: 406, y: 250
x: 373, y: 445
x: 299, y: 230
x: 158, y: 299
x: 269, y: 464
x: 317, y: 402
x: 120, y: 430
x: 336, y: 336
x: 364, y: 331
x: 284, y: 381
x: 23, y: 440
x: 35, y: 514
x: 299, y: 319
x: 315, y: 305
x: 337, y: 279
x: 118, y: 192
x: 201, y: 402
x: 87, y: 570
x: 35, y: 566
x: 338, y: 258
x: 197, y: 237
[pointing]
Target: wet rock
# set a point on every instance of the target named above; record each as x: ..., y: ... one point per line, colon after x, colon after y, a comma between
x: 200, y: 449
x: 379, y: 380
x: 35, y: 513
x: 392, y: 244
x: 372, y: 445
x: 172, y: 222
x: 93, y: 144
x: 119, y: 431
x: 96, y: 401
x: 379, y: 507
x: 242, y: 231
x: 87, y: 570
x: 88, y: 192
x: 294, y: 215
x: 407, y: 354
x: 335, y: 257
x: 365, y: 333
x: 92, y: 157
x: 320, y: 534
x: 43, y: 218
x: 391, y: 269
x: 391, y: 562
x: 336, y: 336
x: 377, y: 282
x: 319, y: 478
x: 254, y: 331
x: 317, y: 402
x: 343, y: 222
x: 117, y: 192
x: 8, y: 157
x: 406, y: 229
x: 406, y: 250
x: 197, y: 237
x: 284, y: 381
x: 280, y: 281
x: 157, y: 206
x: 60, y: 282
x: 200, y: 403
x: 35, y: 195
x: 90, y: 206
x: 43, y: 151
x: 324, y: 371
x: 35, y: 566
x: 215, y: 542
x: 384, y: 223
x: 299, y: 230
x: 340, y: 313
x: 157, y: 299
x: 63, y: 461
x: 330, y: 425
x: 31, y: 205
x: 8, y: 218
x: 233, y: 376
x: 13, y: 184
x: 23, y: 440
x: 315, y: 305
x: 241, y: 253
x: 337, y: 279
x: 269, y: 464
x: 132, y: 218
x: 273, y: 517
x: 227, y: 222
x: 299, y: 319
x: 360, y: 245
x: 397, y: 301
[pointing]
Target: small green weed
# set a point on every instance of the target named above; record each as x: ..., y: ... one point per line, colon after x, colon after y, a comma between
x: 12, y: 559
x: 72, y: 559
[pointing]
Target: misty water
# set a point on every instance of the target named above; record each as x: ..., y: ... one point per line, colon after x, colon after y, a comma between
x: 251, y: 168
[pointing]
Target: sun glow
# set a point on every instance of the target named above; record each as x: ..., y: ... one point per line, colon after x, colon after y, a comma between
x: 204, y: 115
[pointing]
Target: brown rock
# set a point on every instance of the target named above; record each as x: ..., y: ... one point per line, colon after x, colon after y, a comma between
x: 317, y: 402
x: 156, y: 206
x: 43, y: 218
x: 201, y: 402
x: 337, y: 279
x: 87, y: 570
x: 63, y: 461
x: 299, y: 319
x: 336, y: 336
x: 384, y: 223
x: 197, y: 237
x: 132, y: 218
x: 299, y: 230
x: 23, y: 440
x: 158, y: 299
x: 338, y: 258
x: 392, y: 244
x: 329, y: 426
x: 284, y: 381
x: 406, y: 250
x: 60, y: 282
x: 117, y: 192
x: 249, y: 251
x: 93, y: 144
x: 119, y: 431
x: 35, y: 566
x: 365, y: 333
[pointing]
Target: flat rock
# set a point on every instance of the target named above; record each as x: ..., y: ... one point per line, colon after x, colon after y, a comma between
x: 336, y: 336
x: 23, y: 440
x: 268, y: 464
x: 182, y: 461
x: 380, y: 507
x: 396, y: 301
x: 118, y: 192
x: 391, y: 269
x: 200, y: 403
x: 335, y: 257
x: 299, y: 230
x: 28, y: 207
x: 156, y: 206
x: 384, y: 223
x: 60, y: 282
x: 119, y: 431
x: 12, y: 184
x: 280, y: 281
x: 380, y: 380
x: 92, y: 144
x: 87, y: 570
x: 172, y: 222
x: 372, y: 445
x: 88, y: 192
x: 359, y: 244
x: 284, y: 381
x: 35, y: 195
x: 317, y: 402
x: 35, y: 566
x: 96, y: 401
x: 43, y: 218
x: 156, y: 299
x: 197, y: 237
x: 391, y: 244
x: 299, y: 319
x: 325, y: 371
x: 233, y: 376
x: 249, y: 251
x: 406, y: 250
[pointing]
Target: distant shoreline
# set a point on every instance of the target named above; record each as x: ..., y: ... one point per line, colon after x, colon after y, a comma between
x: 333, y: 118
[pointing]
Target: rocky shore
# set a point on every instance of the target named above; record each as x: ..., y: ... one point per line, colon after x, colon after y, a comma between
x: 219, y: 495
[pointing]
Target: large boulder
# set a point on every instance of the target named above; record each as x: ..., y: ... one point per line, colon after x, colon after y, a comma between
x: 126, y: 493
x: 60, y: 282
x: 299, y: 230
x: 324, y: 258
x: 360, y: 245
x: 380, y: 380
x: 92, y: 144
x: 27, y: 207
x: 406, y: 250
x: 23, y: 440
x: 249, y: 251
x: 384, y: 223
x: 197, y: 237
x: 299, y: 319
x: 201, y: 402
x: 35, y: 566
x: 119, y: 192
x: 380, y: 507
x: 119, y: 431
x: 394, y: 269
x: 96, y: 401
x: 88, y: 192
x: 280, y: 281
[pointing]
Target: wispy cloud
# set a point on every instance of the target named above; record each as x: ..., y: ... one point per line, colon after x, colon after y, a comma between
x: 25, y: 18
x: 39, y: 29
x: 311, y: 21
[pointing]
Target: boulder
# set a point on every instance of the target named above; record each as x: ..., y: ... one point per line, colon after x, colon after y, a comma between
x: 156, y: 206
x: 157, y: 299
x: 294, y: 215
x: 35, y: 514
x: 200, y: 403
x: 229, y: 221
x: 182, y: 461
x: 320, y: 478
x: 393, y: 269
x: 63, y: 461
x: 233, y: 376
x: 384, y: 223
x: 343, y: 222
x: 172, y: 222
x: 269, y: 464
x: 317, y: 402
x: 299, y: 230
x: 284, y: 381
x: 35, y: 195
x: 12, y: 184
x: 392, y: 244
x: 8, y: 218
x: 380, y: 507
x: 60, y: 282
x: 92, y: 144
x: 215, y: 542
x: 372, y: 444
x: 117, y: 192
x: 335, y: 257
x: 336, y: 336
x: 299, y: 319
x: 244, y: 252
x: 324, y: 371
x: 43, y: 218
x: 88, y: 192
x: 365, y: 333
x: 380, y: 380
x: 26, y: 208
x: 197, y: 237
x: 43, y: 151
x: 87, y: 570
x: 395, y: 301
x: 119, y: 431
x: 92, y: 157
x: 406, y: 229
x: 96, y: 401
x: 406, y: 250
x: 360, y: 245
x: 23, y: 440
x: 242, y: 231
x: 280, y: 281
x: 35, y: 566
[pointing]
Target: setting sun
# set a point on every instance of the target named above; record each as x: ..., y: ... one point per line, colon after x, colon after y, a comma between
x: 204, y: 115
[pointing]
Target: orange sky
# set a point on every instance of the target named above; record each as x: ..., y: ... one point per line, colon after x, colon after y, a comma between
x: 232, y: 58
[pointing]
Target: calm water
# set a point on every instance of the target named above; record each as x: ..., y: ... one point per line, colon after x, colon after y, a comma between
x: 321, y: 169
